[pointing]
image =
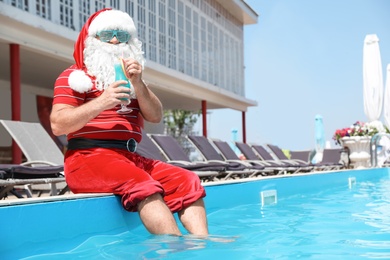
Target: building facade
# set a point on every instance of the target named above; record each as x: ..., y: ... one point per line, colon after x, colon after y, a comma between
x: 193, y: 49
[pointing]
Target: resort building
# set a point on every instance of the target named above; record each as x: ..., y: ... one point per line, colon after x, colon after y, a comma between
x: 193, y: 49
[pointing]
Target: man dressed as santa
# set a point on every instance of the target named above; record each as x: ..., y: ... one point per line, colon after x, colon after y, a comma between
x: 102, y: 142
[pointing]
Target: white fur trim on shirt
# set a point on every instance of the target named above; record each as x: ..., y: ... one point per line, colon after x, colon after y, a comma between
x: 79, y: 81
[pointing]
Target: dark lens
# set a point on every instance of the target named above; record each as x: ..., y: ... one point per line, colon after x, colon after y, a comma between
x: 105, y: 36
x: 123, y: 36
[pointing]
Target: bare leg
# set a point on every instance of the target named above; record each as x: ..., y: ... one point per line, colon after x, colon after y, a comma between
x: 194, y: 218
x: 157, y: 217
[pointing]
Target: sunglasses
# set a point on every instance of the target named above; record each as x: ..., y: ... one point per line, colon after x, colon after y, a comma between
x: 106, y: 36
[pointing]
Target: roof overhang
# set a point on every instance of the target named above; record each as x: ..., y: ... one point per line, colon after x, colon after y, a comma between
x: 241, y: 10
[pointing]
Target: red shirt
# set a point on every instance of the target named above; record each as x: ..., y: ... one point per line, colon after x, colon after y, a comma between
x: 108, y: 124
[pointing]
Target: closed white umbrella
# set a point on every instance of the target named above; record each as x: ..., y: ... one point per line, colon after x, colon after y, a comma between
x: 386, y: 107
x: 385, y: 142
x: 372, y: 78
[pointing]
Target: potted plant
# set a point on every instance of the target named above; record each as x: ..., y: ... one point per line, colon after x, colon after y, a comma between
x: 357, y: 139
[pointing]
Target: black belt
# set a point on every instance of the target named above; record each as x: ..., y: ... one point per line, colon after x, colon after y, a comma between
x: 84, y: 143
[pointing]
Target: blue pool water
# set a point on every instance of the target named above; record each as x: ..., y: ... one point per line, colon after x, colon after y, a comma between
x: 343, y: 215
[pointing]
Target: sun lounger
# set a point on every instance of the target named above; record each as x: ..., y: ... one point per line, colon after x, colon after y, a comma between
x: 35, y: 143
x: 23, y: 171
x: 331, y: 160
x: 41, y: 151
x: 258, y: 167
x: 175, y: 155
x: 303, y: 155
x: 319, y: 166
x: 303, y: 165
x: 237, y: 168
x: 14, y: 175
x: 149, y: 149
x: 173, y: 150
x: 262, y: 155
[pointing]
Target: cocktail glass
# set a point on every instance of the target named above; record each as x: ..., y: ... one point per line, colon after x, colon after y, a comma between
x: 120, y: 75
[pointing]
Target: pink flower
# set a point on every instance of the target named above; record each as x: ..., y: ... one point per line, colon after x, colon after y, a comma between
x: 360, y: 129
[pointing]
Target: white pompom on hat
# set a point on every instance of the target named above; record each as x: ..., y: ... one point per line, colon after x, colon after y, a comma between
x: 105, y: 19
x: 79, y: 81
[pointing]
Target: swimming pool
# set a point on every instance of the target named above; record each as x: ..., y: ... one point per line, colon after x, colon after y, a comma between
x: 334, y: 215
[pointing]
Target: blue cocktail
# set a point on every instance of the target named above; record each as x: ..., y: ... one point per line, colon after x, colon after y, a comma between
x: 120, y: 75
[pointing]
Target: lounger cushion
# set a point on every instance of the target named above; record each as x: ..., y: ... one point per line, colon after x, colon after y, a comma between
x: 16, y: 171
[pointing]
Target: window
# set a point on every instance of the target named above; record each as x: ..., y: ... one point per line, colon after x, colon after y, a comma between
x: 66, y: 14
x: 43, y: 8
x: 152, y: 43
x: 172, y: 34
x: 162, y: 33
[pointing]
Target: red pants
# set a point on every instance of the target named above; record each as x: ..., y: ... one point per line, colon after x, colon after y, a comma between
x: 131, y: 176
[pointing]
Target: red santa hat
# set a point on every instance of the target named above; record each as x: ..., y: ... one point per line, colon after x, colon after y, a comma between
x: 105, y: 19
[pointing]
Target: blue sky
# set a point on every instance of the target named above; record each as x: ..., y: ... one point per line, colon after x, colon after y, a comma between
x: 304, y: 58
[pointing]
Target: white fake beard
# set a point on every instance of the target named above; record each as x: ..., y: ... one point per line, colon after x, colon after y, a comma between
x: 100, y: 57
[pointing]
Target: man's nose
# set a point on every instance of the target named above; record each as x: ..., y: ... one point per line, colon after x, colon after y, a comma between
x: 114, y: 40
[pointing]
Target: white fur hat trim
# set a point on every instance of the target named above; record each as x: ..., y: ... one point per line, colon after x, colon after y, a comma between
x: 112, y: 20
x: 79, y: 81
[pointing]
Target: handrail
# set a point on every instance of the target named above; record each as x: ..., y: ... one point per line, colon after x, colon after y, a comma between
x: 373, y: 147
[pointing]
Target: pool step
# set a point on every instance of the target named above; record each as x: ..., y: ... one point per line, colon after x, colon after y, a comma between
x: 351, y: 182
x: 268, y: 197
